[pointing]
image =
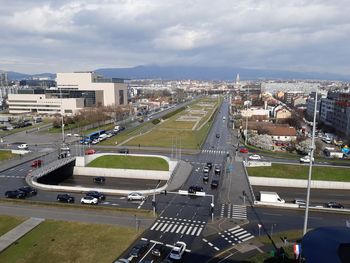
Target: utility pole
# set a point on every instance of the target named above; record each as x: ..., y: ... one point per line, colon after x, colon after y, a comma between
x: 62, y: 124
x: 246, y: 121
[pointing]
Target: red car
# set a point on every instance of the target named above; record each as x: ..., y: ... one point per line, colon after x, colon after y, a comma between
x: 90, y: 151
x: 37, y: 163
x: 243, y: 150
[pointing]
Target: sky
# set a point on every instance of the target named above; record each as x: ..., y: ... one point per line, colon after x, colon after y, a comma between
x: 39, y: 36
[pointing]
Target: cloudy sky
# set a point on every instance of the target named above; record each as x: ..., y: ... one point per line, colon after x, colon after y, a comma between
x: 55, y: 36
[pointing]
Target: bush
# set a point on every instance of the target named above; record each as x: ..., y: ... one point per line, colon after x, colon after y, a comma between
x: 170, y: 114
x: 156, y: 121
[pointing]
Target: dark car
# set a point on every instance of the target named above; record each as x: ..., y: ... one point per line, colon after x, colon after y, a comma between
x: 65, y: 198
x: 334, y: 205
x: 139, y: 248
x: 29, y: 191
x: 37, y: 163
x: 214, y: 183
x: 124, y: 150
x: 99, y: 180
x: 209, y: 165
x: 195, y: 188
x: 158, y: 250
x: 96, y: 194
x: 15, y: 194
x: 217, y: 170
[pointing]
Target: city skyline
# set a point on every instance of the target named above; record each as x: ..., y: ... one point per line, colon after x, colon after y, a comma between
x: 46, y: 36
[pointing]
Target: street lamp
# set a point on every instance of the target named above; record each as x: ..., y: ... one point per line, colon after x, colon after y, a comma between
x: 310, y: 167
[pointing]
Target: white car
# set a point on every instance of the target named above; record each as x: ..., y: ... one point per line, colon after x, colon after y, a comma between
x: 23, y: 146
x: 96, y: 141
x: 306, y: 159
x: 89, y: 200
x: 136, y: 196
x: 76, y: 135
x: 178, y: 250
x: 68, y: 134
x: 255, y: 157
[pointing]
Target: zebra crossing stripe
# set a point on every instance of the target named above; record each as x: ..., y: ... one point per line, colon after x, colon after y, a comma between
x: 194, y: 230
x: 245, y: 235
x: 168, y: 228
x: 241, y: 233
x: 199, y: 231
x: 172, y: 230
x: 159, y: 226
x: 178, y: 230
x: 183, y: 230
x: 233, y: 228
x: 189, y: 230
x: 165, y: 225
x: 154, y: 226
x: 236, y: 231
x: 247, y: 238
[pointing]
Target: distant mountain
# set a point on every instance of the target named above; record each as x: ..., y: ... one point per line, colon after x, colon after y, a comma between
x: 211, y: 73
x: 199, y: 73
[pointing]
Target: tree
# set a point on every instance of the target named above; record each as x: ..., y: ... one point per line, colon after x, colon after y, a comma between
x: 304, y: 146
x: 261, y: 141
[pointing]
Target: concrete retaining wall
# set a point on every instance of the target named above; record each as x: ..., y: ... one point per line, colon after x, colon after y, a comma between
x: 297, y: 183
x: 80, y: 168
x: 256, y: 164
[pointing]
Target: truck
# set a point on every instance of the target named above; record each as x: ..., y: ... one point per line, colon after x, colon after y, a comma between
x: 270, y: 197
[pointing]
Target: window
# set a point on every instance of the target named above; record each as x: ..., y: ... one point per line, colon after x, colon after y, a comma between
x: 121, y: 97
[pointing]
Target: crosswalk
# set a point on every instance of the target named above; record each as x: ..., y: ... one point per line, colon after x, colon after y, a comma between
x: 9, y: 176
x: 233, y: 211
x: 178, y: 226
x: 214, y: 152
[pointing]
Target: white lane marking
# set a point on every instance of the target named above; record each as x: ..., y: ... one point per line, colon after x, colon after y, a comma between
x: 234, y: 228
x: 183, y: 230
x: 165, y: 225
x: 154, y: 225
x: 178, y: 230
x: 173, y: 229
x: 159, y: 226
x: 247, y: 238
x: 216, y: 248
x: 140, y: 204
x: 241, y: 233
x: 199, y: 231
x: 238, y: 230
x: 170, y: 225
x: 147, y: 253
x: 245, y: 235
x: 144, y: 239
x: 194, y: 231
x: 188, y: 230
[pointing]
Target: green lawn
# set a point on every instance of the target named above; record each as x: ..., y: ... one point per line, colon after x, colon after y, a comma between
x: 58, y: 241
x: 5, y: 155
x: 301, y: 172
x: 180, y: 125
x: 130, y: 162
x: 9, y: 222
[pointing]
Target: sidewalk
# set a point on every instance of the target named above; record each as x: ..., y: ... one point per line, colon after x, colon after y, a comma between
x: 16, y: 233
x: 183, y: 171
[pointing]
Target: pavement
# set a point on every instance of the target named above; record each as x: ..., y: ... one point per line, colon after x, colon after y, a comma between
x: 180, y: 176
x: 16, y: 233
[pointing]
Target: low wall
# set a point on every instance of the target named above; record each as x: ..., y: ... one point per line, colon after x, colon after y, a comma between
x: 256, y: 164
x: 297, y: 183
x: 81, y: 169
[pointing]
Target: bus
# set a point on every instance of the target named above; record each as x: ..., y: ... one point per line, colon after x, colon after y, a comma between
x: 92, y: 136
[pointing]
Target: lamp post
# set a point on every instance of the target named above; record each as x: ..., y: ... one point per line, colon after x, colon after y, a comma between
x: 310, y: 167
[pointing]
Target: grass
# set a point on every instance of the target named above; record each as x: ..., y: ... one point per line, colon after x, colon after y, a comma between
x: 180, y: 125
x: 58, y: 241
x: 9, y: 222
x: 130, y: 162
x: 5, y: 155
x: 301, y: 172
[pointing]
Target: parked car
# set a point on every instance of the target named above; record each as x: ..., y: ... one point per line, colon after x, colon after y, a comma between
x: 214, y: 183
x: 327, y: 140
x: 124, y: 150
x: 65, y: 198
x: 217, y: 170
x: 15, y: 194
x: 89, y: 200
x: 99, y: 180
x: 36, y: 163
x: 299, y: 202
x: 23, y: 146
x: 195, y: 188
x: 334, y: 205
x: 255, y: 157
x: 76, y: 135
x: 306, y: 159
x: 136, y: 196
x: 68, y: 134
x: 139, y: 248
x: 243, y: 150
x: 29, y: 191
x: 96, y: 141
x: 158, y: 250
x: 89, y: 151
x: 178, y: 250
x: 96, y: 194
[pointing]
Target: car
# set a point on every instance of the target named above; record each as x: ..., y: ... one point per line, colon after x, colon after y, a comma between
x: 15, y: 194
x: 214, y: 183
x: 96, y: 194
x: 23, y: 146
x: 195, y: 188
x: 29, y: 191
x: 327, y: 140
x: 124, y: 150
x: 65, y: 198
x: 63, y: 155
x: 243, y: 150
x: 95, y: 141
x: 89, y: 151
x: 178, y: 250
x: 306, y: 159
x: 65, y: 148
x: 109, y: 135
x: 99, y: 180
x: 158, y: 250
x: 206, y: 169
x: 136, y: 196
x: 122, y: 260
x: 139, y: 248
x: 255, y: 157
x: 68, y: 134
x: 36, y: 163
x: 299, y: 202
x: 205, y: 177
x: 209, y: 165
x: 334, y: 205
x: 217, y: 170
x: 89, y: 200
x: 76, y: 135
x: 218, y: 135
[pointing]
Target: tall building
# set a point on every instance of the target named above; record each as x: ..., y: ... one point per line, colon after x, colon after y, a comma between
x: 250, y: 92
x: 3, y: 79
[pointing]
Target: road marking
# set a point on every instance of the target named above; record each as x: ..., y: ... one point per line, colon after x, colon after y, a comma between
x: 189, y: 230
x: 170, y: 225
x: 178, y: 230
x: 165, y: 225
x: 140, y: 204
x: 154, y: 225
x: 159, y: 226
x: 172, y: 230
